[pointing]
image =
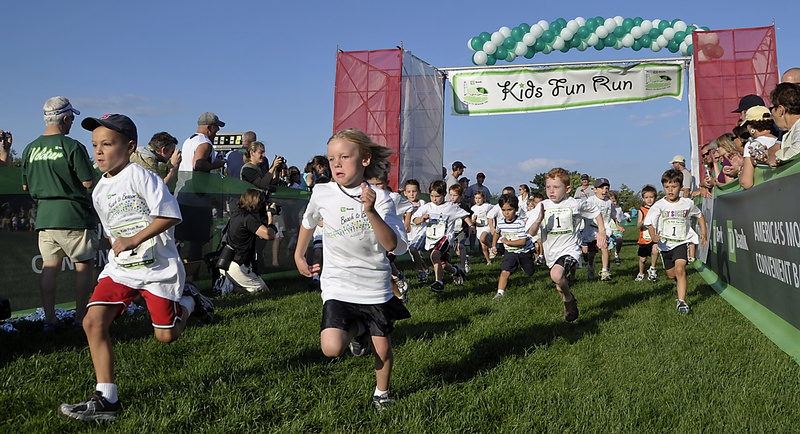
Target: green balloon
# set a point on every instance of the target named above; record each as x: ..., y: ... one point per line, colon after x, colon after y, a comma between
x: 620, y: 32
x: 510, y: 57
x: 627, y: 24
x: 490, y: 59
x: 539, y: 45
x: 563, y: 22
x: 610, y: 40
x: 548, y: 36
x: 654, y: 33
x: 663, y: 25
x: 509, y: 43
x: 599, y: 20
x: 517, y: 34
x: 638, y: 21
x: 556, y: 27
x: 525, y: 27
x: 565, y: 48
x: 476, y: 43
x: 673, y: 46
x: 583, y: 32
x: 675, y: 21
x: 485, y: 37
x: 680, y: 36
x: 591, y: 24
x: 530, y: 53
x: 636, y: 45
x: 574, y: 42
x: 646, y: 41
x: 599, y: 45
x: 689, y: 49
x: 501, y: 52
x: 705, y: 28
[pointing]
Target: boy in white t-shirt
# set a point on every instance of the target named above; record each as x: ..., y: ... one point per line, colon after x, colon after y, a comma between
x: 518, y: 244
x: 590, y: 232
x: 669, y: 222
x: 440, y: 218
x: 416, y: 232
x: 483, y: 234
x: 558, y: 219
x: 138, y: 215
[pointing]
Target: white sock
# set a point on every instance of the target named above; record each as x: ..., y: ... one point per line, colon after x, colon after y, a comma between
x: 109, y: 391
x: 379, y: 392
x: 501, y: 291
x: 187, y: 301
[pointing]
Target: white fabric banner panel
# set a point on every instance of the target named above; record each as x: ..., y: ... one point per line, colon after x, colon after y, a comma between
x: 502, y: 91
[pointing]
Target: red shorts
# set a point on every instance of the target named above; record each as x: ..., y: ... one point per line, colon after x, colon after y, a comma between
x: 163, y: 313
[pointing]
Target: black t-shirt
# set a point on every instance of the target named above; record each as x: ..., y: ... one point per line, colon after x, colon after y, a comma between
x: 242, y: 235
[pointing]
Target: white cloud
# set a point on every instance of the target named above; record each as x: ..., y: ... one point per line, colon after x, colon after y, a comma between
x: 131, y: 105
x: 650, y: 119
x: 537, y: 165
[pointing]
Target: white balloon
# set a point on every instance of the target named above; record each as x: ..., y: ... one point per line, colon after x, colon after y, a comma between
x: 627, y: 41
x: 528, y: 39
x: 521, y: 49
x: 688, y: 39
x: 573, y: 25
x: 498, y: 38
x: 656, y: 23
x: 601, y: 32
x: 618, y: 45
x: 636, y: 32
x: 489, y: 47
x: 581, y: 21
x: 680, y: 26
x: 505, y: 31
x: 469, y: 44
x: 618, y: 19
x: 669, y: 33
x: 558, y: 43
x: 567, y: 34
x: 480, y: 58
x: 646, y: 26
x: 543, y: 24
x: 610, y: 24
x: 536, y: 31
x: 701, y: 56
x: 684, y: 48
x: 655, y: 47
x: 593, y: 39
x: 662, y: 41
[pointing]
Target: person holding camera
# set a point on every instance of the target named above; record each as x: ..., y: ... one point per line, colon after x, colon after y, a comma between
x: 5, y: 148
x: 248, y: 223
x: 253, y: 173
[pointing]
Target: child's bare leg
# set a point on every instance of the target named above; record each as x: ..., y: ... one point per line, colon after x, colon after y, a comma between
x: 417, y: 258
x: 172, y: 334
x: 502, y: 283
x: 605, y: 256
x: 654, y: 256
x: 562, y: 284
x: 436, y: 261
x: 679, y: 274
x: 384, y: 358
x: 461, y: 251
x: 96, y: 324
x: 642, y: 260
x: 485, y: 246
x: 276, y: 245
x: 335, y: 341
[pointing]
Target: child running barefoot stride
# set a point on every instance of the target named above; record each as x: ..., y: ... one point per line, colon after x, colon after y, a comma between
x: 668, y: 222
x: 138, y: 214
x: 559, y: 217
x: 360, y: 225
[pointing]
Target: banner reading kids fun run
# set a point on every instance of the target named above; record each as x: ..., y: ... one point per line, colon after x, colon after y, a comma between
x: 493, y: 91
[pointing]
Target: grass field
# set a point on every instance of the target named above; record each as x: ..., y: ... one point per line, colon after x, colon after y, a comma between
x: 463, y: 363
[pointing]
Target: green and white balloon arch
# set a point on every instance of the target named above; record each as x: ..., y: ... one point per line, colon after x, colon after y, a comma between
x: 581, y: 33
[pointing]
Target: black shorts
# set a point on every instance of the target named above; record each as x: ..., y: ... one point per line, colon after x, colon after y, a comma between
x: 379, y: 318
x: 645, y: 250
x: 443, y: 246
x: 512, y: 261
x: 591, y: 246
x: 670, y: 256
x: 568, y: 262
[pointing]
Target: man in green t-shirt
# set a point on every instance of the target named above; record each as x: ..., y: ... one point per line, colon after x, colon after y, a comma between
x: 57, y: 172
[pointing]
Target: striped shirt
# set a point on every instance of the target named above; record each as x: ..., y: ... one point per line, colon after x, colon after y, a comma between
x: 514, y: 231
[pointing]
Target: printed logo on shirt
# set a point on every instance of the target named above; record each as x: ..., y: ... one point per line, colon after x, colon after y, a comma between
x: 682, y: 213
x: 44, y: 154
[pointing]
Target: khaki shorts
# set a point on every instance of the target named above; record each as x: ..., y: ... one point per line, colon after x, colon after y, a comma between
x: 78, y: 244
x: 245, y: 277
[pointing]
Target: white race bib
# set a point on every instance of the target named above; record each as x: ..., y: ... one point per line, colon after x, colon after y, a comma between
x: 142, y: 255
x: 558, y: 221
x: 674, y: 229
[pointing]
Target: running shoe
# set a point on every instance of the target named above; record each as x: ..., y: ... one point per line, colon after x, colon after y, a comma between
x: 203, y: 308
x: 437, y: 287
x: 359, y: 346
x: 383, y: 402
x: 652, y: 275
x: 617, y: 262
x: 571, y: 310
x: 682, y: 306
x: 401, y: 282
x: 467, y: 268
x: 639, y: 278
x: 605, y: 275
x: 422, y: 276
x: 458, y: 276
x: 498, y: 296
x: 96, y: 408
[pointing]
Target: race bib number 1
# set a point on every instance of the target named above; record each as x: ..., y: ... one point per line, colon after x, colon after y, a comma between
x: 142, y: 255
x: 435, y: 229
x: 674, y: 229
x: 558, y: 221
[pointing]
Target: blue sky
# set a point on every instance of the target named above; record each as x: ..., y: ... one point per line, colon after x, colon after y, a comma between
x: 270, y: 66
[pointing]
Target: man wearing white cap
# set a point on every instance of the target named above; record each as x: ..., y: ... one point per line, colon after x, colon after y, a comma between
x: 58, y: 172
x: 679, y: 163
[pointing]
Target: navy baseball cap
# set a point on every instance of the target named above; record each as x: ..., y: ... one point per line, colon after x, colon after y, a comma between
x: 119, y: 123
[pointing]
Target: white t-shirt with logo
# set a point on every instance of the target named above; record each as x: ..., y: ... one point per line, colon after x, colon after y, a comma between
x: 356, y: 268
x: 126, y: 204
x: 672, y: 221
x: 559, y: 232
x: 442, y: 221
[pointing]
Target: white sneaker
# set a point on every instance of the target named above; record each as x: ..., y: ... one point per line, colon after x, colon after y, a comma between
x: 639, y: 278
x: 652, y: 275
